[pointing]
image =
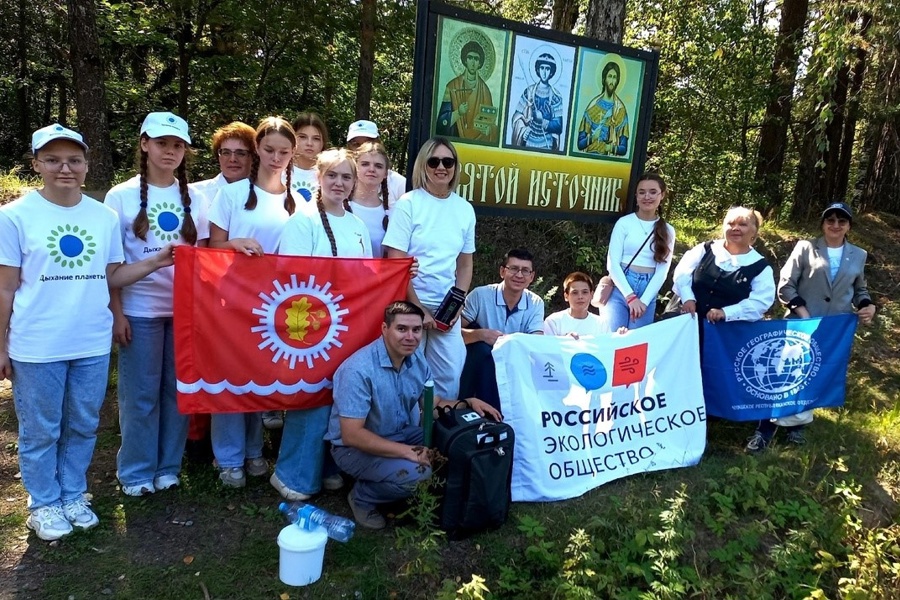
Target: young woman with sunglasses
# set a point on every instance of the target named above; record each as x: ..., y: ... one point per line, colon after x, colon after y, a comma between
x: 437, y: 226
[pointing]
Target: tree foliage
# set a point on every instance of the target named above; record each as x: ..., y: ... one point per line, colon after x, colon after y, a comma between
x: 720, y: 68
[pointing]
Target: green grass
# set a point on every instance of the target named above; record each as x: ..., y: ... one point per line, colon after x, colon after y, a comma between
x: 812, y: 522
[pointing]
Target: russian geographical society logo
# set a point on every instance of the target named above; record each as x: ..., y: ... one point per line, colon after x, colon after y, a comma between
x: 165, y: 221
x: 71, y: 246
x: 777, y: 364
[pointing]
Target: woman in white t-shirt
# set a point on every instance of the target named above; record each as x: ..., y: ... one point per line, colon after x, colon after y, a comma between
x: 331, y: 231
x: 60, y: 252
x: 437, y: 226
x: 647, y: 242
x: 576, y: 320
x: 234, y: 146
x: 312, y: 138
x: 370, y: 197
x: 154, y: 208
x: 249, y: 216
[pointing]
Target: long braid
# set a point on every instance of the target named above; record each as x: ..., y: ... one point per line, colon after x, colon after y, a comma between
x: 384, y: 201
x: 254, y: 173
x: 347, y: 206
x: 188, y: 227
x: 289, y: 205
x: 321, y: 206
x: 141, y: 223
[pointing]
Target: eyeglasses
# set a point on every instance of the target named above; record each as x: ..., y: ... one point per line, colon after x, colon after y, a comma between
x: 226, y: 153
x: 54, y: 165
x: 836, y: 221
x: 519, y: 270
x: 448, y: 161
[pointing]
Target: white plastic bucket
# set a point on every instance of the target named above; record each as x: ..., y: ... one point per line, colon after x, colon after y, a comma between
x: 301, y: 555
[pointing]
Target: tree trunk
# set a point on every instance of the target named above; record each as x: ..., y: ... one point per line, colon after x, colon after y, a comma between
x: 90, y: 90
x: 366, y: 58
x: 605, y: 20
x: 881, y: 187
x: 22, y: 79
x: 848, y: 135
x: 773, y: 132
x: 565, y: 15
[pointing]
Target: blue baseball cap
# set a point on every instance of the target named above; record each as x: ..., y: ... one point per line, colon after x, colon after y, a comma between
x: 838, y: 207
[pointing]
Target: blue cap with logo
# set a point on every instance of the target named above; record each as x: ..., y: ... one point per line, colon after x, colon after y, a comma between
x: 838, y: 207
x: 45, y: 135
x: 159, y: 124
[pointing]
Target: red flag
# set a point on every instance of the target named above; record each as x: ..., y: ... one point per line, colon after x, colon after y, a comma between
x: 630, y: 365
x: 259, y: 333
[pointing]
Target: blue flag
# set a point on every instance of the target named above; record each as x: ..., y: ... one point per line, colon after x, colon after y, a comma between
x: 771, y: 369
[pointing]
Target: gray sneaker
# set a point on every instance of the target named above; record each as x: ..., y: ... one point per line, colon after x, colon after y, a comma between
x: 366, y: 517
x: 80, y: 515
x: 756, y: 444
x: 49, y: 523
x: 232, y: 477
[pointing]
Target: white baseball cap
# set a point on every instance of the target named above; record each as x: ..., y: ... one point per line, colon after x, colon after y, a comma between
x: 158, y: 124
x: 362, y: 129
x: 45, y: 135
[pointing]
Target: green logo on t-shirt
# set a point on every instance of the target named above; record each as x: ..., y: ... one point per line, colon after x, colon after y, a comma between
x: 165, y: 221
x: 71, y: 246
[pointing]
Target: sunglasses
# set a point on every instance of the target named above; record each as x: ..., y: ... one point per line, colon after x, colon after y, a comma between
x: 448, y: 161
x: 837, y: 221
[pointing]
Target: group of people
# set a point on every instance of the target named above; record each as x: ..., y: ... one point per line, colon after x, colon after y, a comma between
x: 280, y: 191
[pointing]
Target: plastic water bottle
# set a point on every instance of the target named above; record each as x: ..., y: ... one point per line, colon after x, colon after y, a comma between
x: 308, y: 516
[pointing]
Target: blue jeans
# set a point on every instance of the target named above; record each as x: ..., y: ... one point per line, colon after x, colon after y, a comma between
x: 617, y: 313
x: 236, y: 437
x: 58, y: 407
x: 380, y: 479
x: 153, y: 431
x: 302, y: 450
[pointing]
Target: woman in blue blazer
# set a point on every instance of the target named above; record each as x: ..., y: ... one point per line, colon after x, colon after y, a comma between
x: 822, y: 277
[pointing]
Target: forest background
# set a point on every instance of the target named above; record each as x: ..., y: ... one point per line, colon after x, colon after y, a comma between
x: 783, y: 104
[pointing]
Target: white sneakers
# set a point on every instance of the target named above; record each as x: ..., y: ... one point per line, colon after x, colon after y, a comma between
x: 53, y: 522
x: 286, y: 492
x: 80, y: 515
x: 49, y: 523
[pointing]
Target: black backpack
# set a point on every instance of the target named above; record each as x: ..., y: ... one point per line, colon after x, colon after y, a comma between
x: 478, y: 471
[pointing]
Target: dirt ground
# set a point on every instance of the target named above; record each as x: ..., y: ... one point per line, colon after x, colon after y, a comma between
x: 165, y: 528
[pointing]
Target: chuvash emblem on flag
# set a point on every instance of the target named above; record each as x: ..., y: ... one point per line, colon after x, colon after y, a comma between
x: 255, y: 333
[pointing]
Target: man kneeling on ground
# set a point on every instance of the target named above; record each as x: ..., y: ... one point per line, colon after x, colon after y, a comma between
x: 375, y: 426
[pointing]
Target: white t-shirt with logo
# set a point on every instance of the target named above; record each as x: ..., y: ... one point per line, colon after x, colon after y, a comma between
x: 435, y: 231
x: 61, y: 307
x: 304, y: 185
x: 263, y: 224
x: 304, y: 235
x: 151, y: 297
x: 373, y: 217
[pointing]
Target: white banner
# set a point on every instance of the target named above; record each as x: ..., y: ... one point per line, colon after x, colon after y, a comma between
x: 589, y: 411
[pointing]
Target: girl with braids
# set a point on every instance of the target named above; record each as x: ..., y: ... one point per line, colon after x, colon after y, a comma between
x: 640, y: 253
x: 154, y: 208
x: 248, y: 216
x: 370, y: 198
x: 331, y: 232
x: 312, y: 137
